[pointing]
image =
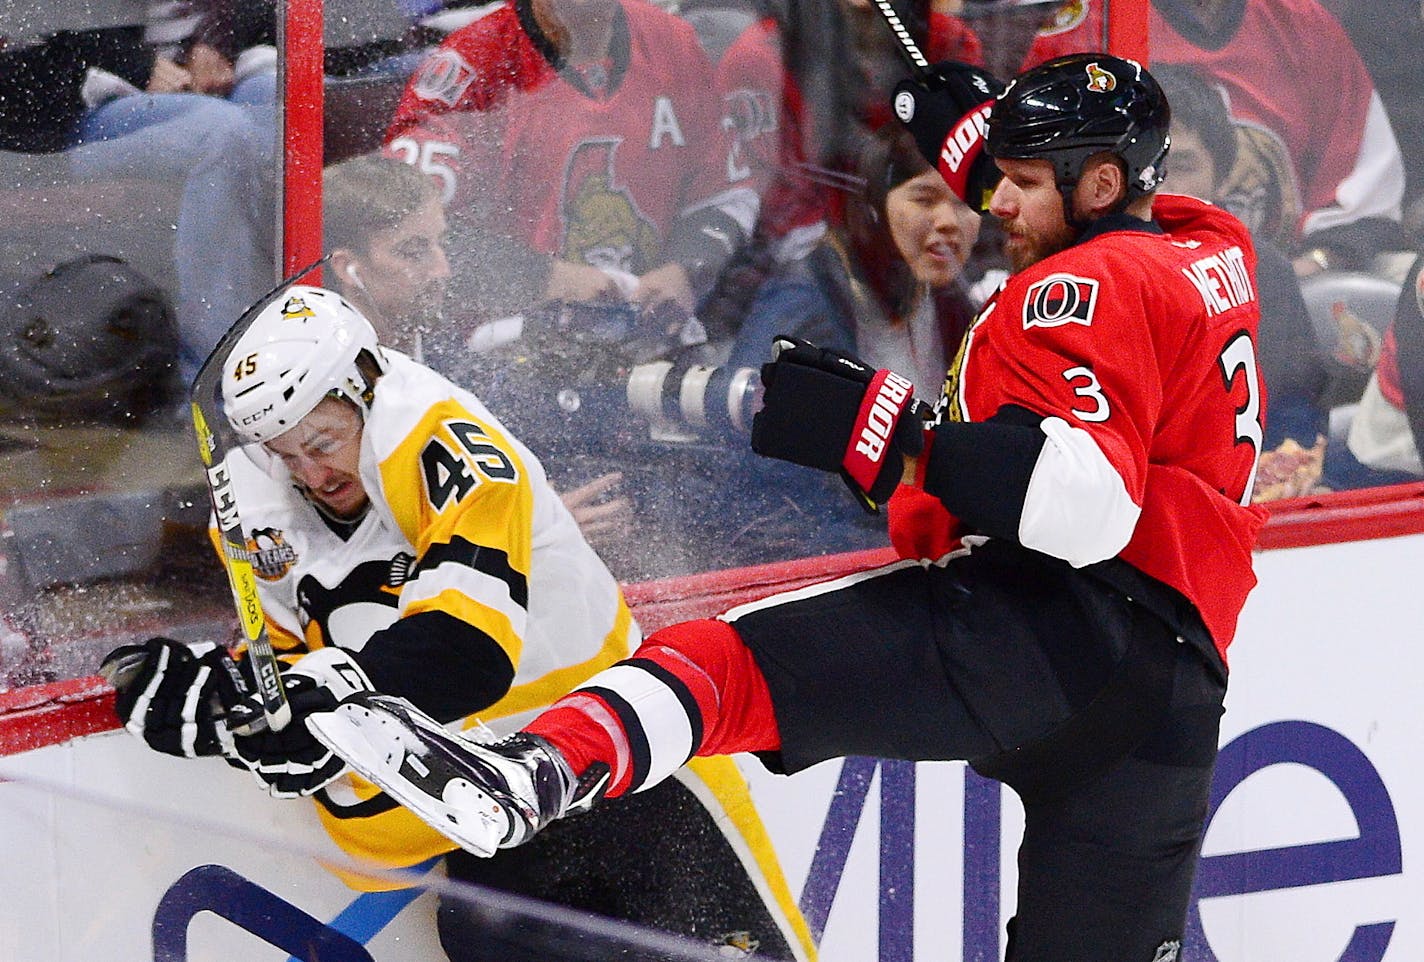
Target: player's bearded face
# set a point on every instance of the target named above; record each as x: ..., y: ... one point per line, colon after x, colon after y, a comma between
x: 1029, y: 206
x: 323, y: 454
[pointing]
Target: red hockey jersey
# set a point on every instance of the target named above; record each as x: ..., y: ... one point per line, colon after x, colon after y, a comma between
x: 590, y: 168
x: 1146, y: 342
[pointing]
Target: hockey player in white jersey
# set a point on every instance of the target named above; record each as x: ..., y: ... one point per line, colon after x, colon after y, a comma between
x: 407, y: 544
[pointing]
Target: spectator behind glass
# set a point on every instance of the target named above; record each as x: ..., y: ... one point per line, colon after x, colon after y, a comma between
x: 1319, y: 171
x: 118, y: 110
x: 800, y: 119
x: 1203, y: 150
x: 1387, y: 430
x: 384, y: 227
x: 1389, y: 35
x: 582, y: 142
x: 881, y: 286
x: 580, y: 150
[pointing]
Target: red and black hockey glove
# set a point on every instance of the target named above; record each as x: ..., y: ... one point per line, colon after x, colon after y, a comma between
x: 948, y: 116
x: 828, y: 410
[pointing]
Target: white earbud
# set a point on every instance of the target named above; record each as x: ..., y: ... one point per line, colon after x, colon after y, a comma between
x: 354, y: 277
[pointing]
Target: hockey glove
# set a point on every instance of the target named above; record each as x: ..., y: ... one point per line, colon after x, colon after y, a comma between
x: 948, y: 115
x: 291, y: 762
x: 174, y: 695
x: 828, y: 410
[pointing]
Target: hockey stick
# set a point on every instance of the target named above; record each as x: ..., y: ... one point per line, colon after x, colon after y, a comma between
x: 909, y: 50
x: 215, y: 439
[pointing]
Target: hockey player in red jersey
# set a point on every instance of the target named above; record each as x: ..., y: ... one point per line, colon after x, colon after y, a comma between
x: 1075, y: 531
x: 581, y: 141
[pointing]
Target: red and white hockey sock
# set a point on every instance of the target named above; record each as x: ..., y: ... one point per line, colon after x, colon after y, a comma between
x: 691, y: 689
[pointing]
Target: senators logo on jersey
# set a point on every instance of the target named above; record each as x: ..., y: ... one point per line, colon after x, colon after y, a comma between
x: 603, y: 226
x: 1060, y: 299
x: 444, y: 77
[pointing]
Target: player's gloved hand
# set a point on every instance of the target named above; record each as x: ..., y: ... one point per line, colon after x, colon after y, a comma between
x: 948, y: 115
x: 828, y: 410
x: 291, y: 762
x: 174, y: 695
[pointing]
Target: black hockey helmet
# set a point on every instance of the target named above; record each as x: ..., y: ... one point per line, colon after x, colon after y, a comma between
x: 1070, y: 108
x: 91, y: 338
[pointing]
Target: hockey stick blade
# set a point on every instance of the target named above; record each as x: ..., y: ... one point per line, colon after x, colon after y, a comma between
x: 215, y: 440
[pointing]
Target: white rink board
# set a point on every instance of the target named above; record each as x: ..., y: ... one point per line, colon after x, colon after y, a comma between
x: 1309, y: 859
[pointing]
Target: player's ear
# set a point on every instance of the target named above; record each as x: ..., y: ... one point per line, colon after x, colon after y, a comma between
x: 345, y: 271
x: 1101, y: 185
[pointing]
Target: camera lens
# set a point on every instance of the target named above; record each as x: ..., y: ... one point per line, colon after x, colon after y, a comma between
x: 700, y: 397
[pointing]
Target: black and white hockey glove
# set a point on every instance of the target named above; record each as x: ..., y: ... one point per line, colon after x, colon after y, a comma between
x: 948, y: 113
x: 291, y: 762
x: 174, y: 695
x: 829, y: 410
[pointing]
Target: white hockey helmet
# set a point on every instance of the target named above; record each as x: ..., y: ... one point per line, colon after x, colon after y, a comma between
x: 302, y: 347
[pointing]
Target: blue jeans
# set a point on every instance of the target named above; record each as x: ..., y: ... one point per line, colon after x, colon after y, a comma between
x: 222, y: 153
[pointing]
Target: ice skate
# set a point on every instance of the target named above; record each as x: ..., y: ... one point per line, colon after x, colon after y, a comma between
x: 482, y: 796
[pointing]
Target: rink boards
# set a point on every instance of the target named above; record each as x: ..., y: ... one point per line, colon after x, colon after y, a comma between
x: 112, y: 852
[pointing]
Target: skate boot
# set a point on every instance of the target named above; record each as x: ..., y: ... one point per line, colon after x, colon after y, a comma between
x: 484, y: 796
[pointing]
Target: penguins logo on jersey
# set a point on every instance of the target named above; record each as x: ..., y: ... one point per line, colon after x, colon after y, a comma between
x: 365, y: 601
x: 271, y: 556
x: 1060, y: 299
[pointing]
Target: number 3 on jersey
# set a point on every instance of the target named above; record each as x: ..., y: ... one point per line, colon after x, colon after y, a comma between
x: 451, y: 474
x: 1239, y: 356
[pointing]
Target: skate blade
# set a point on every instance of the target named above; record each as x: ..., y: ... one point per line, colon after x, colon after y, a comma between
x: 375, y: 745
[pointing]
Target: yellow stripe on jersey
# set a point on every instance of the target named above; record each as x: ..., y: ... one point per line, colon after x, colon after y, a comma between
x: 544, y: 690
x: 393, y: 839
x: 490, y: 620
x: 721, y: 788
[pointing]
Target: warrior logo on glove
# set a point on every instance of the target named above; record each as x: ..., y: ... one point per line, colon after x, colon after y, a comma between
x: 828, y: 410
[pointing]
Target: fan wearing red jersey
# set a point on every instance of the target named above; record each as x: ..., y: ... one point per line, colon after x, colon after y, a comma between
x: 581, y: 145
x: 1075, y: 532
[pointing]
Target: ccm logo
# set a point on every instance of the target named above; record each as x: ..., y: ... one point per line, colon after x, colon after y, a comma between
x: 879, y: 421
x: 256, y: 416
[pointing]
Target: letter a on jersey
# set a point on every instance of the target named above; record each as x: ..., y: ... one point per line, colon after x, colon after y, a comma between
x: 665, y: 125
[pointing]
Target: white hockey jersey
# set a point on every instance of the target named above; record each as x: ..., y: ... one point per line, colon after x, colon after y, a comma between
x: 462, y: 521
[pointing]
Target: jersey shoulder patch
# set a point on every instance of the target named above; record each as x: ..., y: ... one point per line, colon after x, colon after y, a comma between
x: 444, y: 77
x: 1060, y: 299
